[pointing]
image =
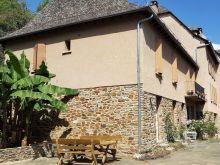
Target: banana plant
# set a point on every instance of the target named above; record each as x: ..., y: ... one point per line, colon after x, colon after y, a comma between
x: 33, y: 91
x: 10, y: 72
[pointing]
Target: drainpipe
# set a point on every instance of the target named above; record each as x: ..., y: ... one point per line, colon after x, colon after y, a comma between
x: 196, y: 50
x: 139, y: 78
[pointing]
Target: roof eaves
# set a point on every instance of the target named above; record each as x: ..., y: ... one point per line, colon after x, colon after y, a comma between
x: 174, y: 39
x: 214, y: 53
x: 75, y: 23
x: 187, y: 28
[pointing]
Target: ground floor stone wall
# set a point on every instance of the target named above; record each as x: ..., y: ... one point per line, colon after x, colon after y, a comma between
x: 103, y: 110
x: 25, y: 153
x: 164, y: 107
x: 149, y: 110
x: 114, y: 111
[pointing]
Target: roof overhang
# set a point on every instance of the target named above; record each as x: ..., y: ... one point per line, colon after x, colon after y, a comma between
x: 146, y: 9
x: 214, y: 53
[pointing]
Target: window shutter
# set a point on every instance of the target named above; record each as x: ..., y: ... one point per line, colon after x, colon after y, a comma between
x: 174, y: 70
x: 159, y: 56
x: 39, y: 55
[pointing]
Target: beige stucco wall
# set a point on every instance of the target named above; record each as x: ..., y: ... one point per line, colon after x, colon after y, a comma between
x: 164, y: 86
x: 103, y: 54
x: 184, y: 36
x: 190, y: 43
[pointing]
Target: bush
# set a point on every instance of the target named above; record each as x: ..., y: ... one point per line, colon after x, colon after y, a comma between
x: 210, y: 129
x: 203, y: 127
x: 182, y: 128
x: 170, y: 129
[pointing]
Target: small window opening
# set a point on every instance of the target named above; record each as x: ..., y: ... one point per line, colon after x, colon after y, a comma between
x: 67, y: 45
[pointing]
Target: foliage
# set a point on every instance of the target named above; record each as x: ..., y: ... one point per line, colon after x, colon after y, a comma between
x: 42, y: 4
x: 13, y: 15
x: 203, y: 127
x: 182, y: 128
x: 210, y: 129
x: 170, y: 129
x: 28, y: 93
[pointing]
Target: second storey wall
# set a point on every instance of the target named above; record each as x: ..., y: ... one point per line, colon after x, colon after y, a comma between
x: 102, y: 53
x: 163, y: 85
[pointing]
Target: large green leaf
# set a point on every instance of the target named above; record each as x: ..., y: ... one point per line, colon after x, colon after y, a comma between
x: 14, y: 75
x: 57, y: 104
x: 25, y: 64
x: 22, y: 94
x: 30, y: 94
x: 4, y: 69
x: 15, y: 63
x: 52, y: 89
x: 24, y: 61
x: 6, y: 79
x: 30, y: 81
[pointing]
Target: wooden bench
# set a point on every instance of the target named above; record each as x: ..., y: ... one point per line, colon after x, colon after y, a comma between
x: 105, y: 140
x: 76, y: 147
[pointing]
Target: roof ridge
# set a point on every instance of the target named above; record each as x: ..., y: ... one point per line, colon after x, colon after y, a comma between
x: 64, y: 12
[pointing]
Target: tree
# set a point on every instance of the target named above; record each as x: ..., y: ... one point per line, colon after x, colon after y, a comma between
x: 13, y: 15
x: 42, y: 4
x: 30, y: 92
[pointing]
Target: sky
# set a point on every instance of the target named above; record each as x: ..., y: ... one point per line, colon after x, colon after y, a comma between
x: 193, y: 13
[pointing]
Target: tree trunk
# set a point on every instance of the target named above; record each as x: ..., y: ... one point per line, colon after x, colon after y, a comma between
x: 4, y: 124
x: 2, y: 56
x: 26, y: 136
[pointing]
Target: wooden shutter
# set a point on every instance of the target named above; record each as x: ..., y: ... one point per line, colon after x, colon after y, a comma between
x: 159, y: 57
x: 39, y: 55
x: 174, y: 70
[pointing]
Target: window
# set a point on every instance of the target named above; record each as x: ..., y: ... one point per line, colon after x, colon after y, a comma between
x: 39, y: 55
x: 159, y: 57
x: 67, y: 47
x: 174, y: 70
x: 193, y: 113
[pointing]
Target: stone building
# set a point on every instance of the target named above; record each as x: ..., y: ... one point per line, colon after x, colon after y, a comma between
x: 92, y: 45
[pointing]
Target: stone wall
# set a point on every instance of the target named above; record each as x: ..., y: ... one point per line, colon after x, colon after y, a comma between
x: 100, y: 111
x: 149, y: 110
x: 164, y: 107
x: 112, y: 111
x: 180, y: 114
x: 25, y: 153
x: 161, y: 107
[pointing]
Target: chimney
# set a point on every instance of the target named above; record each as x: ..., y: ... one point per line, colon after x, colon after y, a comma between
x: 154, y: 6
x: 197, y: 31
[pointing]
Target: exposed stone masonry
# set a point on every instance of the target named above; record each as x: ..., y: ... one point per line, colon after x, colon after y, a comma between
x: 149, y: 120
x: 113, y: 111
x: 24, y: 153
x: 103, y: 110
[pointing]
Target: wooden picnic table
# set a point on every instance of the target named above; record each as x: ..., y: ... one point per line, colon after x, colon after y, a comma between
x: 87, y: 145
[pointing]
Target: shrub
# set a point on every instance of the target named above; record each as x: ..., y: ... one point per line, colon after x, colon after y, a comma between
x: 203, y: 127
x: 182, y: 128
x: 210, y: 129
x: 170, y: 129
